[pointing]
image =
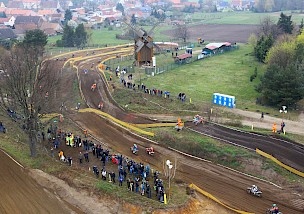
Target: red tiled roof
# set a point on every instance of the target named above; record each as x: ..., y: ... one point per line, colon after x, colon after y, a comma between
x: 25, y: 27
x: 2, y: 20
x: 46, y: 12
x: 213, y: 46
x: 184, y: 56
x: 9, y: 11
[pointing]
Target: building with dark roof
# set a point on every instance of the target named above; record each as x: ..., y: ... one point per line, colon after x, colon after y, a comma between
x: 37, y: 20
x: 7, y: 33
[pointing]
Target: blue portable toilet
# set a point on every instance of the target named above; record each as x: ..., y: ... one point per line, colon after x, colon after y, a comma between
x: 223, y: 100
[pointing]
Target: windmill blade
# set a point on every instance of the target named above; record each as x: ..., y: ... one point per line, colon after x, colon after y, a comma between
x: 139, y: 43
x: 138, y: 32
x: 139, y: 47
x: 151, y: 32
x: 150, y: 45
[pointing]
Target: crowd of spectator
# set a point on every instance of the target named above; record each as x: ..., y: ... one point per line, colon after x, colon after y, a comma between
x: 114, y: 168
x: 141, y: 87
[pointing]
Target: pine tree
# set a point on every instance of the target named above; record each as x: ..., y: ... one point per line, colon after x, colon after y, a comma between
x: 262, y: 47
x: 301, y: 26
x: 68, y: 36
x: 120, y: 7
x: 80, y: 36
x: 283, y: 86
x: 133, y: 19
x: 67, y: 16
x: 285, y: 23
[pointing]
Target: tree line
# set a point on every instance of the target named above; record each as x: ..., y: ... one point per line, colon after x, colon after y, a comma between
x: 72, y: 37
x: 281, y: 47
x: 262, y: 6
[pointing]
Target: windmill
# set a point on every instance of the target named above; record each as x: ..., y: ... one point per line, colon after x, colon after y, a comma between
x: 144, y: 45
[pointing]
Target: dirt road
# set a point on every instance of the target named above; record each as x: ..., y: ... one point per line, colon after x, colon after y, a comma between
x: 287, y: 152
x: 253, y: 118
x: 21, y: 194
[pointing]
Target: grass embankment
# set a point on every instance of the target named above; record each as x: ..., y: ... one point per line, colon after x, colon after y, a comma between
x: 144, y: 103
x: 228, y: 73
x: 203, y: 147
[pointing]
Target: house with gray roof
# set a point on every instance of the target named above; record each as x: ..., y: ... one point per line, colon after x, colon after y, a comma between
x: 7, y: 33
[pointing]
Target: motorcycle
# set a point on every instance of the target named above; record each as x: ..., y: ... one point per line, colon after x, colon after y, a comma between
x: 150, y: 151
x: 268, y: 211
x: 134, y: 151
x: 257, y: 193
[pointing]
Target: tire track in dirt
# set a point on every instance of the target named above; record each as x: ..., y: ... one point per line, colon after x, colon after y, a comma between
x: 287, y: 152
x: 21, y: 194
x: 228, y: 186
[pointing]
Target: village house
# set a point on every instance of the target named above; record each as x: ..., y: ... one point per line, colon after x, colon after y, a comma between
x: 7, y: 33
x: 25, y: 23
x: 14, y: 4
x: 2, y: 5
x: 3, y: 21
x: 52, y: 5
x: 10, y: 22
x: 19, y: 12
x: 51, y: 29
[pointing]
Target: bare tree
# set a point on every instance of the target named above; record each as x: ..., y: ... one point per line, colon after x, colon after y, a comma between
x: 182, y: 32
x: 268, y: 28
x: 27, y: 87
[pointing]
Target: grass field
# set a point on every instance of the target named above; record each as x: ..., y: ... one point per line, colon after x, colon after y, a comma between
x: 241, y: 17
x: 227, y: 74
x: 108, y: 37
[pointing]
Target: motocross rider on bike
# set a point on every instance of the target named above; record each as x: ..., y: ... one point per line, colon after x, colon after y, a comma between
x: 254, y: 189
x: 135, y: 149
x: 274, y: 209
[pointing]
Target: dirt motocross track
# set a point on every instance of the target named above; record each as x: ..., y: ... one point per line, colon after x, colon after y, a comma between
x: 225, y: 184
x: 21, y: 194
x: 287, y: 152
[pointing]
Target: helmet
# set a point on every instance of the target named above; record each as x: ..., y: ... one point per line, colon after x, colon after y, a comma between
x: 134, y: 144
x: 274, y: 205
